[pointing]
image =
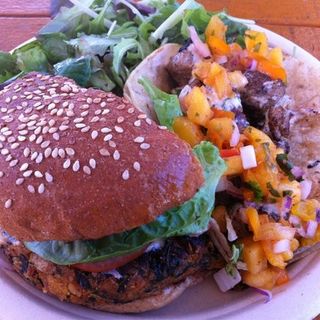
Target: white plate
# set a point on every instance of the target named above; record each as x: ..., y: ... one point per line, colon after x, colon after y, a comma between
x: 299, y: 300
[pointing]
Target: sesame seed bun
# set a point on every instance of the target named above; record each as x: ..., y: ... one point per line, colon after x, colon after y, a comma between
x: 82, y: 164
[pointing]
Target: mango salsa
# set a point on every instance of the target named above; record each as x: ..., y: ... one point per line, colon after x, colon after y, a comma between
x: 256, y: 42
x: 216, y: 28
x: 220, y: 131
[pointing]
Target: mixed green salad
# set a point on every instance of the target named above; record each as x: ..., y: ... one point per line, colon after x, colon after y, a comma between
x: 99, y: 42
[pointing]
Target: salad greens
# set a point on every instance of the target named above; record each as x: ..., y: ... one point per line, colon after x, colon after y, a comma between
x: 112, y: 36
x: 166, y: 106
x: 192, y: 217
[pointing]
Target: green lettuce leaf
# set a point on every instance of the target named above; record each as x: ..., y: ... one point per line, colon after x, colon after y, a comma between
x: 166, y: 106
x: 31, y: 57
x: 8, y: 66
x: 77, y: 69
x: 190, y: 218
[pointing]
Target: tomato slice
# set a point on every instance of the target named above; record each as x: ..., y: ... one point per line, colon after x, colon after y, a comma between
x: 109, y: 264
x: 226, y: 153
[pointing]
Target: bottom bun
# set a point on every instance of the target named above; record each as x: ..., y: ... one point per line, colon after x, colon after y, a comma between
x: 150, y: 282
x: 155, y: 302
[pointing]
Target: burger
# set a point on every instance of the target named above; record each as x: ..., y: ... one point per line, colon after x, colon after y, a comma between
x: 100, y: 206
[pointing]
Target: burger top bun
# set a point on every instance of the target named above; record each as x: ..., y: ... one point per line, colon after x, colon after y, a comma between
x: 82, y: 164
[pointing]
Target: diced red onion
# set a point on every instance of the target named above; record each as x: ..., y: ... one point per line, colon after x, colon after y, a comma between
x: 318, y: 215
x: 195, y: 54
x: 235, y: 137
x: 254, y: 65
x: 115, y: 273
x: 286, y: 206
x: 226, y: 185
x: 232, y: 235
x: 201, y: 47
x: 183, y: 93
x: 248, y: 157
x: 311, y: 229
x: 281, y: 246
x: 294, y: 220
x: 226, y: 281
x: 221, y: 59
x: 297, y: 172
x: 306, y: 186
x: 266, y: 293
x: 155, y: 245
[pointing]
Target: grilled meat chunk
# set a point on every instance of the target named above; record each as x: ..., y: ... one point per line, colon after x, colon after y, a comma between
x: 180, y: 67
x: 146, y: 276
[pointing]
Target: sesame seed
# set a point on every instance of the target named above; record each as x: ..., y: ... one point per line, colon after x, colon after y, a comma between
x: 27, y: 173
x: 54, y: 153
x: 34, y: 155
x: 125, y: 175
x: 63, y: 128
x: 136, y: 166
x: 66, y: 164
x: 111, y: 99
x: 104, y: 152
x: 76, y: 166
x: 162, y: 127
x: 92, y: 163
x: 26, y: 152
x: 121, y: 106
x: 108, y: 137
x: 78, y: 120
x: 84, y: 113
x: 24, y: 166
x: 8, y: 100
x: 95, y: 119
x: 9, y: 158
x: 56, y: 136
x: 103, y: 104
x: 65, y: 104
x: 13, y: 163
x: 118, y: 129
x: 70, y: 152
x: 47, y: 152
x: 120, y: 119
x: 15, y: 145
x: 8, y: 203
x: 112, y: 144
x: 70, y: 113
x: 142, y: 116
x: 41, y: 188
x: 52, y: 122
x: 84, y: 107
x: 39, y: 158
x: 38, y: 174
x: 139, y: 139
x: 24, y: 104
x: 94, y: 134
x: 80, y: 125
x: 19, y: 181
x: 89, y: 100
x: 105, y: 111
x: 86, y: 170
x: 22, y: 138
x: 51, y: 106
x: 53, y: 130
x: 32, y: 137
x: 60, y: 112
x: 116, y: 155
x: 61, y: 153
x: 145, y: 146
x: 31, y: 188
x: 85, y: 129
x: 45, y: 144
x: 49, y: 177
x: 39, y: 140
x: 96, y: 100
x: 4, y: 152
x: 1, y: 174
x: 131, y: 110
x: 38, y: 130
x: 66, y: 89
x: 98, y: 112
x: 137, y: 123
x: 148, y: 121
x: 106, y: 130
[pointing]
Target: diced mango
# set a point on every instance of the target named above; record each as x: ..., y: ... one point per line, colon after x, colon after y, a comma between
x: 201, y: 70
x: 253, y: 255
x: 218, y: 79
x: 265, y: 279
x: 199, y: 110
x: 274, y: 231
x: 253, y: 220
x: 220, y: 131
x: 234, y: 166
x: 275, y: 56
x: 237, y: 79
x: 256, y: 42
x: 188, y: 131
x: 219, y: 113
x: 281, y: 276
x: 218, y: 46
x: 274, y: 71
x: 294, y: 244
x: 216, y: 28
x: 219, y: 214
x: 306, y: 210
x: 274, y: 259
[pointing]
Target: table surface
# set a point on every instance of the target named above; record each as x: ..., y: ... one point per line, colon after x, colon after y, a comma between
x: 297, y: 20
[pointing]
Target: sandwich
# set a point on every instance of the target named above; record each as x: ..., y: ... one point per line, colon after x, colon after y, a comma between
x: 100, y: 205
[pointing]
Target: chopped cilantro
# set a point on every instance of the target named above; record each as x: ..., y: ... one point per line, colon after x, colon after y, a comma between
x: 256, y: 189
x: 285, y: 165
x: 273, y: 191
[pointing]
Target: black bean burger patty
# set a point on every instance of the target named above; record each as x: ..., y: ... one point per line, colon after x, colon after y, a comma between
x: 146, y: 276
